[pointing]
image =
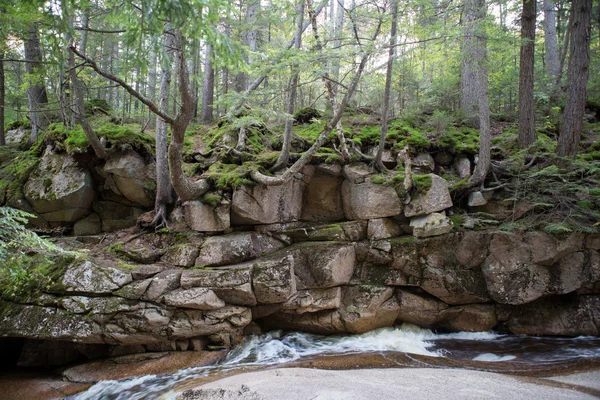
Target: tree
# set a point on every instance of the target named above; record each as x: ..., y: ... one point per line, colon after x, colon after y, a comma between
x: 208, y: 90
x: 550, y: 40
x: 163, y: 181
x: 284, y: 156
x: 2, y: 94
x: 388, y: 87
x: 469, y: 78
x: 476, y: 11
x: 527, y: 133
x: 36, y: 90
x: 578, y: 71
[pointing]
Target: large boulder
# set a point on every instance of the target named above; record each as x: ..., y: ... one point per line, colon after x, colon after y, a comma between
x: 468, y: 318
x: 205, y: 218
x: 16, y: 137
x: 522, y: 268
x: 196, y: 298
x: 90, y: 225
x: 134, y: 179
x: 52, y: 323
x: 365, y: 308
x: 255, y: 205
x: 233, y: 284
x: 322, y: 264
x: 558, y: 315
x: 323, y: 200
x: 368, y: 200
x: 87, y: 277
x: 435, y: 198
x: 235, y: 248
x: 58, y: 189
x: 273, y: 281
x: 419, y: 309
x: 382, y: 228
x: 313, y: 300
x: 192, y: 323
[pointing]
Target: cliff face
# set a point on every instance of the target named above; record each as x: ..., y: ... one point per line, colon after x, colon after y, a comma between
x: 334, y: 250
x: 324, y: 279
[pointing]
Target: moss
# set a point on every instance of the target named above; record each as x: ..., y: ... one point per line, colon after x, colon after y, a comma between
x: 15, y: 168
x: 402, y: 240
x: 422, y: 182
x: 211, y: 199
x: 116, y: 248
x: 117, y: 137
x: 379, y: 179
x: 306, y: 115
x: 312, y: 131
x: 459, y: 185
x: 227, y: 176
x: 459, y: 140
x: 93, y: 104
x: 22, y: 123
x: 367, y: 136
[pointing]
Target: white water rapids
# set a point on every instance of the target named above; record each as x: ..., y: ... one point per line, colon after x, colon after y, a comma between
x: 274, y: 348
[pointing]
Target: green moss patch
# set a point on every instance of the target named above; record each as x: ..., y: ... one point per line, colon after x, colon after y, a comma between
x: 15, y: 168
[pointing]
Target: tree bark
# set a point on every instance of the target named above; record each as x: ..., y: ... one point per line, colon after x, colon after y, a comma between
x: 469, y: 67
x: 208, y: 90
x: 284, y: 156
x: 337, y: 42
x: 152, y: 86
x: 578, y: 71
x: 550, y: 40
x: 527, y: 133
x: 163, y: 182
x: 36, y: 91
x: 388, y: 88
x: 479, y: 55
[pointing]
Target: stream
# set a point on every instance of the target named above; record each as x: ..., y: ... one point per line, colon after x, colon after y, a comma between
x: 402, y: 346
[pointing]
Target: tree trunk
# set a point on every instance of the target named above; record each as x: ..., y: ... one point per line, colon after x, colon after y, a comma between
x: 550, y: 40
x: 77, y: 91
x: 208, y: 90
x: 36, y: 91
x: 152, y: 86
x: 388, y: 88
x: 163, y: 181
x: 469, y: 68
x: 527, y: 133
x: 578, y: 71
x: 284, y: 156
x: 337, y: 42
x: 479, y: 54
x: 85, y: 19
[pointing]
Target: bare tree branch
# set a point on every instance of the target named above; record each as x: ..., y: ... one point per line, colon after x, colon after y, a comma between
x: 151, y: 105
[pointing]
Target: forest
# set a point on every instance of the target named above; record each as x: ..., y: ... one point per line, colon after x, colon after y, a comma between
x: 514, y: 85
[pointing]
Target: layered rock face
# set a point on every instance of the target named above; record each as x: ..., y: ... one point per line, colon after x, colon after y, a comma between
x: 329, y: 252
x: 323, y: 279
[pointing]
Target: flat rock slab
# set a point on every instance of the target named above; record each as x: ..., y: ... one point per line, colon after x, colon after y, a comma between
x: 378, y: 384
x: 150, y: 363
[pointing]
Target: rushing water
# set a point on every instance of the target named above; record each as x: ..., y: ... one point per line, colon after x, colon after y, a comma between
x: 274, y: 348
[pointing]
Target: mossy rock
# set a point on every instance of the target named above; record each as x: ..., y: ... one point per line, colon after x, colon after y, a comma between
x: 306, y: 115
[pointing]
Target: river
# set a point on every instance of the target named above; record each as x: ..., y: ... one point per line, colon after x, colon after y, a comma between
x: 403, y: 346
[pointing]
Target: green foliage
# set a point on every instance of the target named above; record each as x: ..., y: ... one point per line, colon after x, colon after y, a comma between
x: 439, y: 121
x: 28, y: 263
x: 15, y: 168
x: 367, y: 136
x: 312, y: 131
x: 23, y: 123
